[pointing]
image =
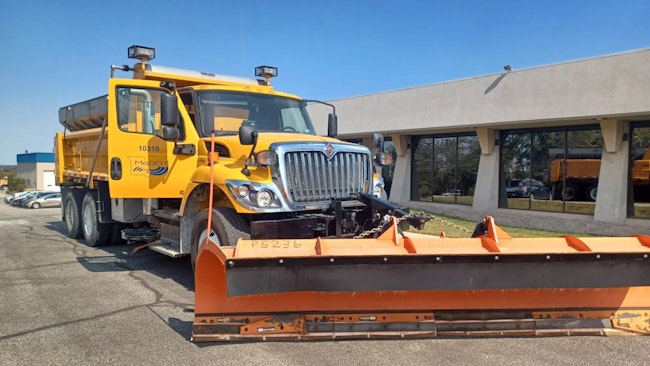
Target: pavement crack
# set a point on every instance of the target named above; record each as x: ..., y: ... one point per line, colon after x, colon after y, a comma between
x: 38, y: 267
x: 71, y: 322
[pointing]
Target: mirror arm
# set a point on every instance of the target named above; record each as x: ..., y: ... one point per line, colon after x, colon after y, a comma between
x: 249, y: 160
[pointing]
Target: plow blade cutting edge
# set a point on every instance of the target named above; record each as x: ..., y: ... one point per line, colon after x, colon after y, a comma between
x: 422, y: 286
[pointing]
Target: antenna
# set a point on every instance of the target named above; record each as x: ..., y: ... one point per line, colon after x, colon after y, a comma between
x: 243, y: 43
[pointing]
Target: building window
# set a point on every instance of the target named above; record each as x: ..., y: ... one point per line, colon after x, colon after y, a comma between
x: 551, y: 169
x: 640, y: 169
x: 444, y: 168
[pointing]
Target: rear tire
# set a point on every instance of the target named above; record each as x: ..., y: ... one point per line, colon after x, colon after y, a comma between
x: 72, y: 214
x: 592, y: 192
x: 570, y: 192
x: 96, y: 234
x: 227, y: 227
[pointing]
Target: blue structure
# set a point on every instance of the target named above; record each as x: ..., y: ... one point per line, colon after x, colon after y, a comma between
x: 37, y: 170
x: 38, y: 157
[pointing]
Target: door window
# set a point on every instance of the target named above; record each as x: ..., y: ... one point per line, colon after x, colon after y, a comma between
x: 138, y: 110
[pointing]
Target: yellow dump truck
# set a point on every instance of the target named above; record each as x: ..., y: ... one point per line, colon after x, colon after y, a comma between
x: 136, y: 164
x: 576, y: 177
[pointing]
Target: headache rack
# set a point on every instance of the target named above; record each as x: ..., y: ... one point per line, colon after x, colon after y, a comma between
x: 84, y: 115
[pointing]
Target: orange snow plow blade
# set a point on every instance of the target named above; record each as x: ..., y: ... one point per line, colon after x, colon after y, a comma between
x: 395, y: 286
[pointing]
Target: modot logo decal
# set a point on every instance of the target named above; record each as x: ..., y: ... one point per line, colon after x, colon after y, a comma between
x: 141, y: 166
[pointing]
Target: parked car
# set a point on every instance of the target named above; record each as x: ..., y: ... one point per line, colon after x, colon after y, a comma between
x: 18, y: 202
x: 12, y: 197
x: 451, y: 193
x: 524, y: 188
x: 47, y: 200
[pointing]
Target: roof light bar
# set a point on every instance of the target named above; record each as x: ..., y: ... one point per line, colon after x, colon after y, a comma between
x: 142, y: 53
x: 267, y: 72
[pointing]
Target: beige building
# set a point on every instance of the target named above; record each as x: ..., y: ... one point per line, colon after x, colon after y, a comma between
x: 610, y: 92
x: 37, y: 170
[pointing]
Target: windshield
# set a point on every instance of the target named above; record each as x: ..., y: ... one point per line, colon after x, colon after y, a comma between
x: 225, y: 111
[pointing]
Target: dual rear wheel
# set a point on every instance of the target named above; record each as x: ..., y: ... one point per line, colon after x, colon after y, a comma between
x: 80, y: 217
x: 576, y: 191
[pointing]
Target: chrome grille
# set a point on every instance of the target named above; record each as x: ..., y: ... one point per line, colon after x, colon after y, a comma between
x: 312, y: 177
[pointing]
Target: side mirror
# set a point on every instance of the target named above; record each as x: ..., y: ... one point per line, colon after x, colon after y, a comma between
x: 332, y: 125
x: 171, y: 133
x: 383, y: 159
x: 168, y: 110
x: 378, y: 141
x: 247, y: 135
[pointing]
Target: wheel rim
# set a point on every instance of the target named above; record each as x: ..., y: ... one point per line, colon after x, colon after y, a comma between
x: 203, y: 236
x: 69, y: 219
x: 569, y: 193
x: 89, y: 224
x: 36, y: 205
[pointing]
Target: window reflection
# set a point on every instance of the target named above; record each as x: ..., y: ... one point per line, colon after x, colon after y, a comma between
x: 551, y: 170
x: 445, y: 168
x: 640, y: 172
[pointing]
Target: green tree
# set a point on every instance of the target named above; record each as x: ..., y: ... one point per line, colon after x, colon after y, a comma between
x: 515, y: 155
x: 421, y: 186
x: 16, y: 184
x: 641, y: 137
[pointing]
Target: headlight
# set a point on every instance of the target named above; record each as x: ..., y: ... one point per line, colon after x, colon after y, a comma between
x: 243, y: 190
x: 255, y: 196
x: 378, y: 186
x: 264, y: 198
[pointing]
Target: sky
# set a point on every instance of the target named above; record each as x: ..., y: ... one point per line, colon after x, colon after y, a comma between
x: 57, y: 53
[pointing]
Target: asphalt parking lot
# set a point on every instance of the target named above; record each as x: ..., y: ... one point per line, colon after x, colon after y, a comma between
x: 63, y: 303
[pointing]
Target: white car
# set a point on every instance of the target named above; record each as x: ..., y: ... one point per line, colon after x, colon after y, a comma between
x: 452, y: 193
x: 12, y: 197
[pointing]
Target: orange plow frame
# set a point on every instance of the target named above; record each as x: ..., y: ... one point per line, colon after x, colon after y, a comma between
x: 397, y: 286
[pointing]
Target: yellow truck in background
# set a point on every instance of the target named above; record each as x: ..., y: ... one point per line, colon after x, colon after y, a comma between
x: 137, y: 164
x: 576, y: 177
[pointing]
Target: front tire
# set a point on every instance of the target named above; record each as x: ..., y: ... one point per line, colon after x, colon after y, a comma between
x: 227, y: 227
x: 95, y: 233
x: 36, y: 205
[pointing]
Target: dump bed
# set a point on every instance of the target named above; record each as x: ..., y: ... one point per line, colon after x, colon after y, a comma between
x: 575, y: 169
x: 84, y: 115
x: 76, y: 149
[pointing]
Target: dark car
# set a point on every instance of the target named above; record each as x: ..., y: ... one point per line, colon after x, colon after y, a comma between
x: 11, y: 197
x: 524, y: 188
x: 36, y: 194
